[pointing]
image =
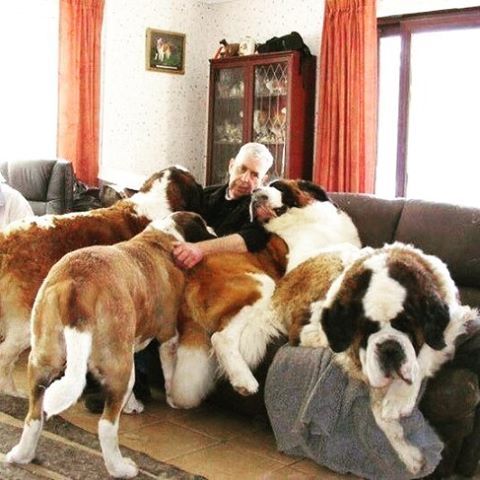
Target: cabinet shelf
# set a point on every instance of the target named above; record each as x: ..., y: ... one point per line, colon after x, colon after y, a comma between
x: 276, y: 105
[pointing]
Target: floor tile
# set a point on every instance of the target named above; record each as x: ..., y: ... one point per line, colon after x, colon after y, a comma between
x: 311, y: 468
x: 216, y: 423
x: 227, y: 461
x: 165, y: 440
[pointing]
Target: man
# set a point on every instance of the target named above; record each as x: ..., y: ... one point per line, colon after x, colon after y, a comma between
x: 227, y: 209
x: 13, y: 206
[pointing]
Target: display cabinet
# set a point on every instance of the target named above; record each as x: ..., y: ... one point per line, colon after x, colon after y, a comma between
x: 267, y: 98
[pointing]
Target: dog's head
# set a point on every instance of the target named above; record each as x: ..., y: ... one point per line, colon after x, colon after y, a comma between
x: 383, y: 310
x: 185, y: 227
x: 282, y: 195
x: 177, y: 187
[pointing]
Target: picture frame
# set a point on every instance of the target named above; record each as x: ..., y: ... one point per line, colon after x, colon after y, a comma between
x: 165, y: 51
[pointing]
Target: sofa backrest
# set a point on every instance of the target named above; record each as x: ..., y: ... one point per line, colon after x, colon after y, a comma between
x: 450, y: 232
x: 46, y: 184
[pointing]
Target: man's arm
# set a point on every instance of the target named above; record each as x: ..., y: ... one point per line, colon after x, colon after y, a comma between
x: 187, y: 255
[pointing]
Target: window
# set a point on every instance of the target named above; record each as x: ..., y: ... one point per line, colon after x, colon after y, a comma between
x: 28, y: 83
x: 429, y: 108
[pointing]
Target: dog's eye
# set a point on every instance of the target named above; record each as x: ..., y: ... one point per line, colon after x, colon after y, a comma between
x: 280, y: 210
x: 368, y: 329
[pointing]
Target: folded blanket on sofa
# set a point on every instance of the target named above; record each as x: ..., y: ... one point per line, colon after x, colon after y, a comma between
x: 318, y: 412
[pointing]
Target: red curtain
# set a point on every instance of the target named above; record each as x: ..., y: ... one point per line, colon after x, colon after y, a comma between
x: 347, y: 101
x: 79, y: 85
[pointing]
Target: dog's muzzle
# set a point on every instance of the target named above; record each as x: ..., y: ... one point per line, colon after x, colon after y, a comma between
x: 390, y: 355
x: 260, y: 209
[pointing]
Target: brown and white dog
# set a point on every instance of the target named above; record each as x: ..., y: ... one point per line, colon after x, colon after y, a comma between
x: 392, y: 317
x: 226, y: 295
x: 29, y: 248
x: 79, y: 325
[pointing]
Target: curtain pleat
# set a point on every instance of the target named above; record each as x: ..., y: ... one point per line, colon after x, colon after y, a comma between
x: 345, y: 148
x: 79, y: 85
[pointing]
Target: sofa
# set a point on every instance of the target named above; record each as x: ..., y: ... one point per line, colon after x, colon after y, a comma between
x: 47, y: 184
x: 452, y: 233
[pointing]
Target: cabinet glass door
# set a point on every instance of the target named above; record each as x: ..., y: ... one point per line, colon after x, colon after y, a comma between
x: 227, y: 120
x: 270, y: 112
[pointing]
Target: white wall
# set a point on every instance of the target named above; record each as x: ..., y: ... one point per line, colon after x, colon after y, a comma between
x: 150, y: 119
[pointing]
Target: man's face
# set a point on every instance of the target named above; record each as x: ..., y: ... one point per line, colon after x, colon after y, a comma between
x: 245, y: 176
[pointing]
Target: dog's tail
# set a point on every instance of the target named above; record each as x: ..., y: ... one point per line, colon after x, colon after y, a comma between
x: 65, y: 391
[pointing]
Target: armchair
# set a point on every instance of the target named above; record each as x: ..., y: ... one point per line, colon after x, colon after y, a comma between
x: 46, y: 184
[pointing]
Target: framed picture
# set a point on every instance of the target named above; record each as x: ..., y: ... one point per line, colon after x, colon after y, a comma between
x: 165, y: 51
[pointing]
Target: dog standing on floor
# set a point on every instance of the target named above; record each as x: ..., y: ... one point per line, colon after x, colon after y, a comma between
x: 29, y: 248
x: 95, y: 307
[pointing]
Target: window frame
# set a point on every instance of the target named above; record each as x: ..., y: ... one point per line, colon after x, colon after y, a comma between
x: 405, y: 26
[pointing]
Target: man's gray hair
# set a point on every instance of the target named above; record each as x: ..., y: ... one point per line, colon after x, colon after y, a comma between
x: 256, y: 150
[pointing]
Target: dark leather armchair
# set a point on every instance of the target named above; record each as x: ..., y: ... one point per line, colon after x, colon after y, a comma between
x: 46, y: 184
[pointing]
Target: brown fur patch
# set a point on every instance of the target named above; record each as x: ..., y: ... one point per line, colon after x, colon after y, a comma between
x: 298, y: 289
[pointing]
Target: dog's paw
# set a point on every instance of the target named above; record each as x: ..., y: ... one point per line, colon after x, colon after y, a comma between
x: 124, y: 469
x: 19, y: 455
x: 245, y: 385
x: 399, y: 401
x: 133, y: 405
x: 413, y: 458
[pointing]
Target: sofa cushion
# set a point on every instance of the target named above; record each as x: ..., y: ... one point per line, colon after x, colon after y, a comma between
x: 448, y: 231
x: 375, y: 218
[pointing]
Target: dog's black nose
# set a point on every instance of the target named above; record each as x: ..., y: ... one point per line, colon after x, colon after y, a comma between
x: 391, y: 357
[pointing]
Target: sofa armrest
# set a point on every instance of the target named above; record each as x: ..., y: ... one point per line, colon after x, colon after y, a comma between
x: 46, y: 184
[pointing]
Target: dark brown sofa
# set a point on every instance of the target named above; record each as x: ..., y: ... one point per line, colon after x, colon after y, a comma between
x: 453, y: 234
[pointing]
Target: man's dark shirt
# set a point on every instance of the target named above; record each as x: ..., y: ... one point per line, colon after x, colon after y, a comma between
x: 232, y: 216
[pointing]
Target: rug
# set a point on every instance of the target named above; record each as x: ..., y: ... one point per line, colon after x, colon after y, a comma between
x: 66, y: 452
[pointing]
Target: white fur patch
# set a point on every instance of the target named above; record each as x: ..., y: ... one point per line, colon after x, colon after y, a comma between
x: 384, y: 297
x: 167, y: 225
x: 117, y: 465
x: 24, y: 451
x: 194, y: 377
x: 64, y: 392
x: 154, y: 203
x: 308, y: 230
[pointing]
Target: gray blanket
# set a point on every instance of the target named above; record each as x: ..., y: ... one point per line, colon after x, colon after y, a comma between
x: 317, y: 412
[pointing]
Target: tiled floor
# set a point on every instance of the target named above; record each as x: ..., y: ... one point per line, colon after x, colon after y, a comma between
x: 206, y: 441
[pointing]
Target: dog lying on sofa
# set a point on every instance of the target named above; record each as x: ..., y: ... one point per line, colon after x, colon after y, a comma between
x: 227, y: 293
x: 392, y: 317
x: 77, y: 326
x: 29, y: 248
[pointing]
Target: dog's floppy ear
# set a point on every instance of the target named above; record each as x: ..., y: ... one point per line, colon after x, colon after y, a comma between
x: 434, y: 318
x: 340, y: 323
x: 316, y: 191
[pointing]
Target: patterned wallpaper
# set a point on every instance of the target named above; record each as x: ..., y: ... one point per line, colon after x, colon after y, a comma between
x: 151, y: 120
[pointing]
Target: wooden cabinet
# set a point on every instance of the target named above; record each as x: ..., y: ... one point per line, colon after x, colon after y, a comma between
x: 267, y: 98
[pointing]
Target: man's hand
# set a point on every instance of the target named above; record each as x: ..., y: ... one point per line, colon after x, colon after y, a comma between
x: 187, y: 255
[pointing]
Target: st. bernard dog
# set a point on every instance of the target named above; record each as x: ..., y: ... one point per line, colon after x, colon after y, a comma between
x: 226, y: 295
x: 29, y: 248
x: 392, y: 317
x: 97, y: 306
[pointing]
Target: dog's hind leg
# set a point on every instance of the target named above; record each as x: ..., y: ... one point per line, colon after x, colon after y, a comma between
x: 118, y: 391
x: 168, y: 356
x: 16, y: 340
x: 40, y: 376
x: 195, y: 368
x: 242, y: 343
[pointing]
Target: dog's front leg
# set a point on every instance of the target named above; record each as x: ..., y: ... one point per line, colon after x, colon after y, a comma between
x: 400, y: 398
x: 410, y: 455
